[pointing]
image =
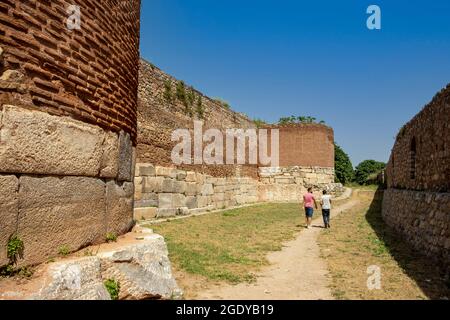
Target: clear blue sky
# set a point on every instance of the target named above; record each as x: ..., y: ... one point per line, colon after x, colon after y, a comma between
x: 280, y: 58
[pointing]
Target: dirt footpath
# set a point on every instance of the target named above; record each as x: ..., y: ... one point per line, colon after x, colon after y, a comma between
x: 295, y: 273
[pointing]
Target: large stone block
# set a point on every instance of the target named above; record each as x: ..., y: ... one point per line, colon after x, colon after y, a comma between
x: 145, y: 169
x: 152, y: 184
x: 56, y: 212
x: 202, y: 201
x: 179, y: 200
x: 119, y: 207
x: 192, y: 202
x: 143, y: 270
x: 9, y: 208
x: 166, y: 212
x: 145, y: 213
x: 191, y: 176
x: 126, y: 165
x: 37, y: 143
x: 109, y: 165
x: 191, y: 189
x: 207, y: 189
x: 165, y: 200
x: 79, y: 279
x: 166, y: 172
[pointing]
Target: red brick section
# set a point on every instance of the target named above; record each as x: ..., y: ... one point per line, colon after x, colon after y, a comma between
x: 431, y: 131
x: 308, y: 145
x: 300, y: 145
x: 158, y: 118
x: 89, y: 74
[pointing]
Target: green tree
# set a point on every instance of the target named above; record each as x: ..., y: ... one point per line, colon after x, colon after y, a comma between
x: 343, y: 165
x: 367, y: 168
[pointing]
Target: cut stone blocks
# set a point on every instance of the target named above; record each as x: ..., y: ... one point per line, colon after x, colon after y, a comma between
x: 9, y: 208
x: 165, y: 213
x: 207, y: 190
x: 119, y: 207
x: 166, y: 172
x: 35, y: 142
x: 109, y: 165
x: 152, y: 184
x: 56, y: 212
x: 125, y: 158
x: 145, y: 213
x: 192, y: 202
x: 145, y: 170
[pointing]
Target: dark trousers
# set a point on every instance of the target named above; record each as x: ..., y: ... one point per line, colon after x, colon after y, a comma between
x: 326, y: 217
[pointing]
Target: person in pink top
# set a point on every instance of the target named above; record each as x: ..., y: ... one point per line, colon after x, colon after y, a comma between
x: 309, y: 203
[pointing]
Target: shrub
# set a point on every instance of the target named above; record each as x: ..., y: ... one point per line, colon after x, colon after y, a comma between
x: 299, y: 119
x: 168, y: 91
x: 64, y: 250
x: 181, y: 92
x: 367, y: 168
x: 113, y: 288
x: 224, y: 103
x: 259, y: 123
x: 343, y: 166
x: 199, y: 108
x: 14, y: 249
x: 111, y: 237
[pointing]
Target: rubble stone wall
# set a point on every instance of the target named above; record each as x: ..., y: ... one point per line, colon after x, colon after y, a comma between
x: 417, y: 200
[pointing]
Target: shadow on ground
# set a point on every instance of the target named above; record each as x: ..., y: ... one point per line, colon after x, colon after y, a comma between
x: 428, y: 276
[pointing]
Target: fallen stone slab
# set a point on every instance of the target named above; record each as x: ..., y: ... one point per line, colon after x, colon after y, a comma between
x: 138, y: 262
x: 79, y: 279
x: 143, y: 270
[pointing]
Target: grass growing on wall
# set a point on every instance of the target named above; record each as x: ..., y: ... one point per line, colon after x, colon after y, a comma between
x: 230, y: 245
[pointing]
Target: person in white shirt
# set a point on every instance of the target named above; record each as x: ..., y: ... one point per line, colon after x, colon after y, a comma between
x: 326, y: 208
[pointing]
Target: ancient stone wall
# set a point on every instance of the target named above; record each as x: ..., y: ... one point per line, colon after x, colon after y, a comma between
x: 163, y: 192
x: 306, y: 155
x: 420, y: 158
x: 68, y: 106
x: 417, y: 201
x: 290, y: 183
x: 167, y: 192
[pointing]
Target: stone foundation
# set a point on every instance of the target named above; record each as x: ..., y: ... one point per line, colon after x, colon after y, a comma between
x: 162, y: 192
x: 290, y: 183
x: 63, y: 183
x: 165, y: 192
x: 422, y: 219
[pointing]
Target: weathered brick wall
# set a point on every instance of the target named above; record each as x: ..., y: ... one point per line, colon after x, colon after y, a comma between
x: 417, y: 201
x: 68, y: 105
x: 306, y: 145
x: 158, y: 118
x: 89, y: 74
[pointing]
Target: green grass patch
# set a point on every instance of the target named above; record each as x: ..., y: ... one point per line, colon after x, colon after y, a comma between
x: 230, y: 246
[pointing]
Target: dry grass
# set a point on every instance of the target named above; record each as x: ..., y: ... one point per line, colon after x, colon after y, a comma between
x: 231, y: 245
x: 359, y: 238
